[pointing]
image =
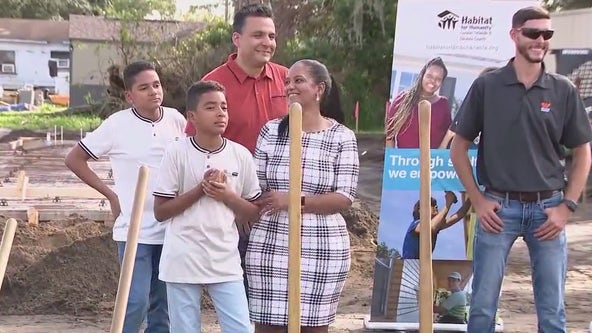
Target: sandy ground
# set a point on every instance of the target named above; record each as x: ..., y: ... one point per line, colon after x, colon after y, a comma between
x: 516, y: 303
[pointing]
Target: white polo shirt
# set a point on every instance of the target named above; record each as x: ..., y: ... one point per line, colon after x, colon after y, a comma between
x: 200, y: 244
x: 130, y: 140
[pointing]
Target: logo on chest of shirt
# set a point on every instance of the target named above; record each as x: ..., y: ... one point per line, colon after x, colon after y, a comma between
x: 545, y: 106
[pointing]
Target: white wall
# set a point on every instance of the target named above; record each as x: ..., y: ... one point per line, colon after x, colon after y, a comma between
x: 31, y: 65
x: 573, y: 29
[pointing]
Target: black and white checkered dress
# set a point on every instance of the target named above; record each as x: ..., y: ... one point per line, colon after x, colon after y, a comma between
x: 330, y: 164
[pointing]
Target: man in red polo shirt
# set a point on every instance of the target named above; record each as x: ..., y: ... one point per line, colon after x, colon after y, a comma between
x: 254, y: 85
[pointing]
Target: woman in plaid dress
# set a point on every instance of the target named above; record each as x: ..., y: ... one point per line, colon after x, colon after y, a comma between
x: 329, y: 183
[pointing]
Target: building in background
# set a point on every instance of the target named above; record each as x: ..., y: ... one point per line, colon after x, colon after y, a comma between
x: 26, y: 46
x: 571, y: 53
x: 96, y: 47
x: 572, y: 30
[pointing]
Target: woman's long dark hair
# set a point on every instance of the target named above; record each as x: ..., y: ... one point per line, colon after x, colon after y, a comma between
x: 330, y: 103
x: 411, y: 98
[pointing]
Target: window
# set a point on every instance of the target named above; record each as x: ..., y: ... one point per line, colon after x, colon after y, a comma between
x: 407, y: 80
x: 8, y: 69
x: 63, y: 63
x: 62, y: 58
x: 59, y: 55
x: 7, y: 62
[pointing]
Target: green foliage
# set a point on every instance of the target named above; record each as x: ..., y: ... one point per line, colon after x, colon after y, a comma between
x: 46, y: 118
x: 189, y: 59
x: 46, y: 9
x: 353, y: 38
x: 384, y: 252
x: 359, y: 55
x: 556, y: 5
x: 61, y: 9
x: 133, y: 10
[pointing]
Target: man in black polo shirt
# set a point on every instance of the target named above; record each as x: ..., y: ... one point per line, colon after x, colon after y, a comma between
x: 525, y: 116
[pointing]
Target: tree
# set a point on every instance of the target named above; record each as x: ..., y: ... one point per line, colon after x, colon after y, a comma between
x: 136, y: 10
x: 384, y: 252
x: 354, y: 38
x: 54, y: 10
x: 556, y: 5
x: 180, y: 62
x: 189, y: 59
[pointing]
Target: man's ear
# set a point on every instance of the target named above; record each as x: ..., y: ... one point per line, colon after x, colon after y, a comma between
x: 235, y: 38
x: 190, y: 115
x: 128, y: 97
x: 513, y: 34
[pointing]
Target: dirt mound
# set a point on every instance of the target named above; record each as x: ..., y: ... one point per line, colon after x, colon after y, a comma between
x: 70, y: 267
x: 31, y: 243
x: 60, y: 267
x: 63, y: 267
x: 362, y: 225
x: 73, y: 279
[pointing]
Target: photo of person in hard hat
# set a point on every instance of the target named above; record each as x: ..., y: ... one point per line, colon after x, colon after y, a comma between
x: 452, y: 310
x: 439, y: 221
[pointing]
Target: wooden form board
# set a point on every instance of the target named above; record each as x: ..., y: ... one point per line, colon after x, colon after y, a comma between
x: 35, y: 215
x: 49, y: 193
x: 26, y: 143
x: 36, y: 212
x: 23, y: 191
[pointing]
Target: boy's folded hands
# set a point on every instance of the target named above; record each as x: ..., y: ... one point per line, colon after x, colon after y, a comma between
x: 214, y: 185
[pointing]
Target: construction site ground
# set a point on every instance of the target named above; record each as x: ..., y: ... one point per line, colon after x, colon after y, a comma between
x: 62, y: 273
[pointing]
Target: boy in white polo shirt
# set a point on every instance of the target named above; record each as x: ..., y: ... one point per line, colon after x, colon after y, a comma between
x: 205, y: 183
x: 131, y: 138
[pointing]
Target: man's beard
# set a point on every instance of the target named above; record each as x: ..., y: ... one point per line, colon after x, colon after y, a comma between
x: 523, y: 50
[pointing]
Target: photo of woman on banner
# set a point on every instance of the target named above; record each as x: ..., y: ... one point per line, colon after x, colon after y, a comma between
x: 440, y: 220
x: 402, y: 120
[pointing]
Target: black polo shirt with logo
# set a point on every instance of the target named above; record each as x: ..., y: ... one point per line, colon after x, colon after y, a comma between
x: 523, y: 131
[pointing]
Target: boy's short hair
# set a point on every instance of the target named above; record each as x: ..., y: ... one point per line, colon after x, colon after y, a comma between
x: 197, y: 90
x: 527, y: 14
x: 252, y: 10
x: 132, y: 70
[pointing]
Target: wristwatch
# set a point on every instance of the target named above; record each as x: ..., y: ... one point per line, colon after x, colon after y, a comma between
x: 571, y: 205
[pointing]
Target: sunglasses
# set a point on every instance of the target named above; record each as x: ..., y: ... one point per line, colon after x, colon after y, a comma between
x: 533, y: 33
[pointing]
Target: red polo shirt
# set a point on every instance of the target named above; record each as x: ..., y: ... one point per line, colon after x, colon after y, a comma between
x: 251, y: 101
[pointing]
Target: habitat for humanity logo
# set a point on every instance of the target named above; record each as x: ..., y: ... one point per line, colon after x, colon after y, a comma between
x: 448, y: 20
x: 474, y: 28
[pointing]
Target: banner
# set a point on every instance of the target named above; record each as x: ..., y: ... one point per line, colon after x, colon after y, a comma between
x: 401, y: 170
x: 440, y: 47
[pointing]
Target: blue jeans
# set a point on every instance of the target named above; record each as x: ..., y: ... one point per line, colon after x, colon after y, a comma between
x: 147, y: 297
x: 230, y: 302
x: 548, y: 263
